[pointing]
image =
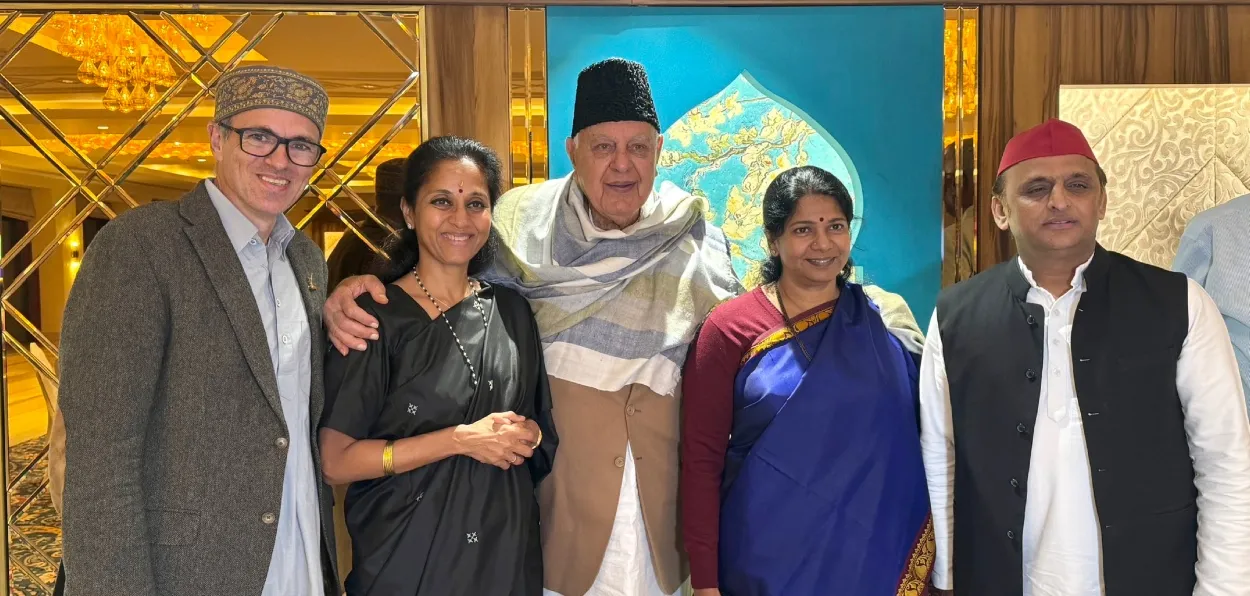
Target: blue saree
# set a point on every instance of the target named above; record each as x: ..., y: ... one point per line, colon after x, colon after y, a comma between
x: 824, y: 491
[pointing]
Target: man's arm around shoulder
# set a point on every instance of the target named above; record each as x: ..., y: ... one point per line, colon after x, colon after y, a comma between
x: 113, y: 340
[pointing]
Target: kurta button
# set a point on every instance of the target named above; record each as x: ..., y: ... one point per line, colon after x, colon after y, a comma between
x: 281, y: 442
x: 630, y: 410
x: 268, y: 519
x: 620, y: 462
x: 1030, y: 375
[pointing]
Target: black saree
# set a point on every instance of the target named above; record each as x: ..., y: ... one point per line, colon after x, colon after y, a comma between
x: 457, y: 526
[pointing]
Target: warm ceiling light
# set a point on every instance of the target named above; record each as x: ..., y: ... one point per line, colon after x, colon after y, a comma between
x: 201, y: 160
x: 68, y: 81
x: 102, y: 127
x: 116, y: 55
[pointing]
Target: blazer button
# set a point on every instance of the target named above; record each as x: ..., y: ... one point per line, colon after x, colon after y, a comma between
x: 1011, y: 534
x: 1031, y: 321
x: 281, y: 442
x: 1030, y: 375
x: 1015, y: 483
x: 620, y: 462
x: 1021, y: 428
x: 268, y: 519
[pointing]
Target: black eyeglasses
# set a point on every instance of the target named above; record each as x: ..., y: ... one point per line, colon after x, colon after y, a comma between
x: 259, y: 142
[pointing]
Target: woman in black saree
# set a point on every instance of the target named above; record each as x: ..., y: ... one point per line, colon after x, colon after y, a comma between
x: 443, y: 426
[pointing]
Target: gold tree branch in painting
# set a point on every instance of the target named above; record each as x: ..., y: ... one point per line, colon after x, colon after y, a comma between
x: 752, y: 144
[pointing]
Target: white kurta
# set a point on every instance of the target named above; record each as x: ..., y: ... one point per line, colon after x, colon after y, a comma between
x: 627, y: 568
x: 1061, y: 543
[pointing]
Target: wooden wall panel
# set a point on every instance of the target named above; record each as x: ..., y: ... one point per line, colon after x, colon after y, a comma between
x: 1028, y: 51
x: 995, y: 126
x: 1202, y: 45
x: 1081, y: 50
x: 1035, y: 89
x: 467, y: 75
x: 1238, y: 43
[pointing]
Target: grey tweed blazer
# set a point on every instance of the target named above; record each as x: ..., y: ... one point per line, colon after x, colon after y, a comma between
x: 176, y: 443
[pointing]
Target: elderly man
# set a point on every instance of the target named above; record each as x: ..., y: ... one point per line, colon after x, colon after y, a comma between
x: 1215, y: 252
x: 1082, y: 422
x: 619, y: 275
x: 191, y: 364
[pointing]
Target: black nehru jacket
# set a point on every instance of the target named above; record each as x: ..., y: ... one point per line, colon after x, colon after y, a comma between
x: 1127, y: 335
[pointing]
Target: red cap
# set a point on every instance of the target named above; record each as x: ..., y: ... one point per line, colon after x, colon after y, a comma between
x: 1051, y: 139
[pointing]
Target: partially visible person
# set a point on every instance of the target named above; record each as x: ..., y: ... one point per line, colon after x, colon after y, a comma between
x: 801, y: 469
x: 619, y: 274
x: 191, y: 362
x: 1215, y: 252
x: 443, y: 429
x: 351, y: 256
x: 959, y: 208
x: 1083, y: 425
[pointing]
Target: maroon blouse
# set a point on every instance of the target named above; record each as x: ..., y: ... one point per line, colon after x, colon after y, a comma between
x: 707, y: 415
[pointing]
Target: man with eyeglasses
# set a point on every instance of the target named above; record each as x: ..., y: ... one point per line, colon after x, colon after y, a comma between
x: 191, y: 363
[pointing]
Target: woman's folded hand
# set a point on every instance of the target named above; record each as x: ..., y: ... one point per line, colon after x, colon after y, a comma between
x: 502, y: 439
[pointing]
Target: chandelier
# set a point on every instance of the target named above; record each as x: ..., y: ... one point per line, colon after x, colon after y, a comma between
x: 959, y: 53
x: 118, y: 56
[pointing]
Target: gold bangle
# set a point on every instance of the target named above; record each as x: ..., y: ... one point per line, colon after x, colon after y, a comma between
x: 540, y: 439
x: 388, y: 459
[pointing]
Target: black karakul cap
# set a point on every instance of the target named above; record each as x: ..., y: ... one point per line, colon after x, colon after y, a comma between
x: 614, y: 90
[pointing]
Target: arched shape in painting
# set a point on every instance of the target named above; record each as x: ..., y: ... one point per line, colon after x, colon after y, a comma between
x: 732, y: 145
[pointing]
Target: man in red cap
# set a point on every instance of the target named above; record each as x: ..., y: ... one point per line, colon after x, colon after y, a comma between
x: 1081, y: 414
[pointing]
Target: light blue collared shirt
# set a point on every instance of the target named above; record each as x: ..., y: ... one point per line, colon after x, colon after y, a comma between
x: 295, y: 568
x: 1215, y: 252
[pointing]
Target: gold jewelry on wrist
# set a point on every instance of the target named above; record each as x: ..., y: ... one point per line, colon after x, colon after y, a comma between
x: 540, y: 439
x: 388, y: 459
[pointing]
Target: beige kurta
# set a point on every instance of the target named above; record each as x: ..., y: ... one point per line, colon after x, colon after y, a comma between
x: 579, y: 499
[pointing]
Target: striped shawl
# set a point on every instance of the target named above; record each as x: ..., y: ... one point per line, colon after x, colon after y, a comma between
x: 614, y: 308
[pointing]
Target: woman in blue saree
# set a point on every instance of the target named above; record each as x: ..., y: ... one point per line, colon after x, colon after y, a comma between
x: 801, y: 471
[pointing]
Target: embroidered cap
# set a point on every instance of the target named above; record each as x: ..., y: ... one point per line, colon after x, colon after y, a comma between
x: 253, y: 87
x: 1050, y: 139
